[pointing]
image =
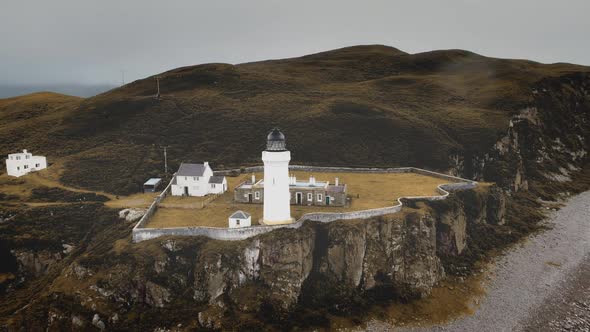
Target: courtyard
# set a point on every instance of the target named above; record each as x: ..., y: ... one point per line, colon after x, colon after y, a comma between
x: 366, y: 190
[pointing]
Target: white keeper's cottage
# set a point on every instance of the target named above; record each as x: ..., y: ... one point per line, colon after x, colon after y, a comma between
x: 19, y: 164
x: 197, y: 180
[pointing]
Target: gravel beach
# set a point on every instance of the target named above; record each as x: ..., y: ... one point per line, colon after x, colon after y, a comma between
x: 542, y: 284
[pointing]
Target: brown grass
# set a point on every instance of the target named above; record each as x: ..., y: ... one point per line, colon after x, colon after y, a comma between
x: 142, y: 200
x: 449, y: 300
x: 49, y: 177
x: 368, y: 191
x: 552, y: 263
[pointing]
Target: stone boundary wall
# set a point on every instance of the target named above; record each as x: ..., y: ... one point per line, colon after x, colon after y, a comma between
x: 140, y: 233
x: 153, y: 207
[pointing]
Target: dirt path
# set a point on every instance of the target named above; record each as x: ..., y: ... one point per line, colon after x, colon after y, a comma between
x: 50, y: 178
x: 548, y: 274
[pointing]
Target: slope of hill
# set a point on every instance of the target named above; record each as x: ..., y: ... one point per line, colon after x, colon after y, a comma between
x: 79, y: 90
x: 70, y: 263
x: 364, y: 105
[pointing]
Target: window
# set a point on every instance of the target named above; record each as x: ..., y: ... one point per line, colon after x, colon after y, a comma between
x: 18, y: 168
x: 310, y: 197
x: 195, y: 178
x: 17, y: 157
x: 37, y: 165
x: 212, y: 185
x: 320, y: 197
x: 26, y: 166
x: 185, y: 178
x: 27, y: 157
x: 257, y: 195
x: 237, y: 222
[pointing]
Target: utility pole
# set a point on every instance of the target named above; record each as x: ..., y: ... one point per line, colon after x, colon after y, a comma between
x: 165, y: 161
x: 158, y: 84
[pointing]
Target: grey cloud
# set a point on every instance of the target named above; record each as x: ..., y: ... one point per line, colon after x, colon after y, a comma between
x: 90, y: 42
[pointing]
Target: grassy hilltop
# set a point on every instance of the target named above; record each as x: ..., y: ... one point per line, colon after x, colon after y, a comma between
x: 363, y: 105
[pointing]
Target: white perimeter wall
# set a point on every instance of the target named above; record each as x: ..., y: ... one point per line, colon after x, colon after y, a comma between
x: 141, y: 234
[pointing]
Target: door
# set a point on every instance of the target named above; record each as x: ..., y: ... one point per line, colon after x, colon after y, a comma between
x: 185, y: 191
x: 299, y: 198
x: 327, y: 200
x: 249, y: 198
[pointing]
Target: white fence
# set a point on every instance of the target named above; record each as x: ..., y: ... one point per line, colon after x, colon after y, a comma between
x: 141, y: 233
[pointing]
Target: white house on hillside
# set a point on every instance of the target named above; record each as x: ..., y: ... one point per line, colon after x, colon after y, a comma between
x: 197, y: 180
x: 19, y: 164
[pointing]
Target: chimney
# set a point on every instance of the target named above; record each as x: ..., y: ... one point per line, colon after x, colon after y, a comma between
x: 311, y: 180
x: 206, y: 164
x: 253, y: 179
x: 336, y: 182
x: 24, y: 150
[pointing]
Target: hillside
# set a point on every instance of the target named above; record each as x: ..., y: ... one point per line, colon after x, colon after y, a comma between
x: 362, y: 105
x: 70, y: 263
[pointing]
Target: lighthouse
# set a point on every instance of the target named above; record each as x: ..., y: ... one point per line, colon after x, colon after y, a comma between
x: 276, y: 157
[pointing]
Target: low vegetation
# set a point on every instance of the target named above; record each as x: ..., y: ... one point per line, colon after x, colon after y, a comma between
x: 358, y: 106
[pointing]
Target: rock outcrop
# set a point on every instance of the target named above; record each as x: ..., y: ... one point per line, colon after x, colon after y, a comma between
x: 318, y: 265
x: 545, y: 141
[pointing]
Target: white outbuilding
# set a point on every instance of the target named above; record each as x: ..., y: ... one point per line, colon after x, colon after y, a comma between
x: 19, y: 164
x: 197, y: 180
x: 240, y: 219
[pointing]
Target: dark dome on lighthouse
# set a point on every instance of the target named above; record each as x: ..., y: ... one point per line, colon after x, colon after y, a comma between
x: 275, y: 141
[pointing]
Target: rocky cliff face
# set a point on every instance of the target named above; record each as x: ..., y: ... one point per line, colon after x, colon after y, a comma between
x: 270, y: 278
x: 546, y: 141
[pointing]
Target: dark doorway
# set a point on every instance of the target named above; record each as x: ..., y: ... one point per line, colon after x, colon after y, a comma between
x: 185, y: 191
x: 327, y: 200
x: 299, y: 198
x: 249, y: 198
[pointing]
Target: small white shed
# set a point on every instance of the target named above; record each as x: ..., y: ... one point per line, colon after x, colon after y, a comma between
x: 240, y: 219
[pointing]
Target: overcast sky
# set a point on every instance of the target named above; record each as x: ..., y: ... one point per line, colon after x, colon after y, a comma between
x: 85, y: 41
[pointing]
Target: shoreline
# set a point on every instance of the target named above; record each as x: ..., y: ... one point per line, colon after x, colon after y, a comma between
x: 526, y: 278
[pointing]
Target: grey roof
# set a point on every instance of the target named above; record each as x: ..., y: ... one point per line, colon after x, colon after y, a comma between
x: 191, y: 169
x: 152, y: 182
x: 337, y: 189
x: 216, y: 179
x: 240, y: 214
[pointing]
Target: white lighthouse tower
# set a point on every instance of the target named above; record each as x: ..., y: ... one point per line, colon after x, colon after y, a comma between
x: 276, y: 157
